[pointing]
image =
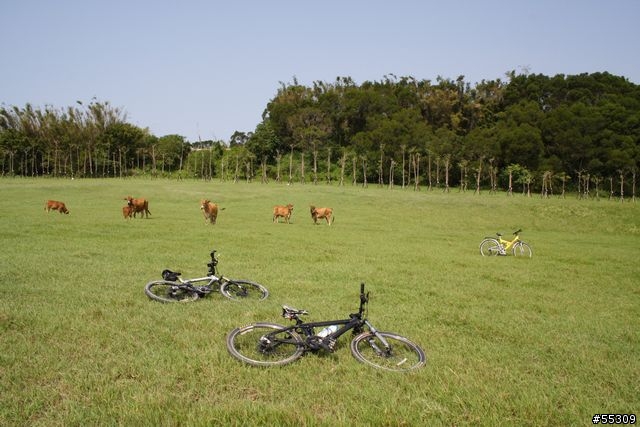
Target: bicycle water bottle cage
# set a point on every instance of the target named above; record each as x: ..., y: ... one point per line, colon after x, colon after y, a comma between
x: 169, y: 275
x: 292, y: 313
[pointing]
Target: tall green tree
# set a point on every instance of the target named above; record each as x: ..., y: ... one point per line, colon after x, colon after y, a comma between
x: 263, y: 144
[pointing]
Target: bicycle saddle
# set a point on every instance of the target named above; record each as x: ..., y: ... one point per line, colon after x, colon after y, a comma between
x: 289, y: 312
x: 169, y: 275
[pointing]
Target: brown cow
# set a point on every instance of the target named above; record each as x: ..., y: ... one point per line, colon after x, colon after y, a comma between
x: 138, y: 205
x: 282, y: 211
x: 319, y: 213
x: 209, y: 210
x: 56, y: 206
x: 127, y: 211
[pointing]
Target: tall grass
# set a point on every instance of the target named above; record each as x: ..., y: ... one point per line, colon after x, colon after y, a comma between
x: 550, y: 340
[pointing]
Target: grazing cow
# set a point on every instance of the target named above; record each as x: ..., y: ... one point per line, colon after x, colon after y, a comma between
x: 319, y: 213
x: 282, y: 211
x: 56, y: 206
x: 138, y: 205
x: 209, y: 210
x: 127, y: 211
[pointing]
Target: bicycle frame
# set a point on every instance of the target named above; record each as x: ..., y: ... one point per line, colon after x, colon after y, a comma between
x: 508, y: 244
x: 211, y: 279
x: 173, y: 288
x: 355, y: 322
x: 308, y: 328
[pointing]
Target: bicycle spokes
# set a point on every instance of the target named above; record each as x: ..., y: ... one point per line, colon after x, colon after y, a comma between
x: 376, y: 349
x: 243, y: 290
x: 390, y: 355
x: 164, y: 291
x: 398, y: 354
x: 240, y: 292
x: 264, y: 345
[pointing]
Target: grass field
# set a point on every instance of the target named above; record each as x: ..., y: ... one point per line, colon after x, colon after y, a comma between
x: 550, y: 340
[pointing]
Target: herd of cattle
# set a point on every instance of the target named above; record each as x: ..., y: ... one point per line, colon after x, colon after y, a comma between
x: 208, y: 208
x: 316, y: 213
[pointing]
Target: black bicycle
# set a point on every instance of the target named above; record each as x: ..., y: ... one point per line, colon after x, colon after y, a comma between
x: 175, y: 289
x: 270, y: 344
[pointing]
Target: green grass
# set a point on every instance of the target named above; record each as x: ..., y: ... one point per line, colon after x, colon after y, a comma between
x: 550, y: 340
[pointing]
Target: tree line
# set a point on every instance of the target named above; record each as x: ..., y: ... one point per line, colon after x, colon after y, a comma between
x: 527, y: 133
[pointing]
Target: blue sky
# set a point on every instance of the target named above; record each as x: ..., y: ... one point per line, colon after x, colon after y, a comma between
x: 204, y: 69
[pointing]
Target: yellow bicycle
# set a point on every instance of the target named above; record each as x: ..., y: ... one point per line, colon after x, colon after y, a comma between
x: 491, y: 246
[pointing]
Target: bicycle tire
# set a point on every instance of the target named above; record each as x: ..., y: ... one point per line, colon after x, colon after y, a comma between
x: 166, y: 291
x: 403, y: 355
x: 490, y: 247
x: 245, y: 344
x: 243, y: 290
x: 522, y: 249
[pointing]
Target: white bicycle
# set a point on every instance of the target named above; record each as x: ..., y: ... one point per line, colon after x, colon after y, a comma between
x: 175, y: 289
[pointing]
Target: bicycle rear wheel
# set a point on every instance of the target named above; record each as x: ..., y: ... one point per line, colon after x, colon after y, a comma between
x: 243, y: 290
x: 165, y: 291
x: 490, y: 247
x: 265, y: 344
x: 401, y: 355
x: 521, y: 249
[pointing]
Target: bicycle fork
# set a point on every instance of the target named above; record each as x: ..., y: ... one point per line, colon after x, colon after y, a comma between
x: 387, y: 351
x: 372, y: 342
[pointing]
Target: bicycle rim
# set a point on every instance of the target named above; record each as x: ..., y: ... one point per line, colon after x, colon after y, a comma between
x: 489, y: 247
x: 243, y: 290
x: 522, y: 249
x: 164, y: 291
x: 402, y: 354
x: 265, y: 344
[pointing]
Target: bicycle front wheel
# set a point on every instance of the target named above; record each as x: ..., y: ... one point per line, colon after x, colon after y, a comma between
x: 489, y: 247
x: 265, y: 344
x: 401, y: 355
x: 165, y: 291
x: 243, y: 290
x: 521, y: 249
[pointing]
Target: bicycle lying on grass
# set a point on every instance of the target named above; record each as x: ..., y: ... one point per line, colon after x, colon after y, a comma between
x: 175, y: 289
x: 498, y: 246
x: 270, y: 344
